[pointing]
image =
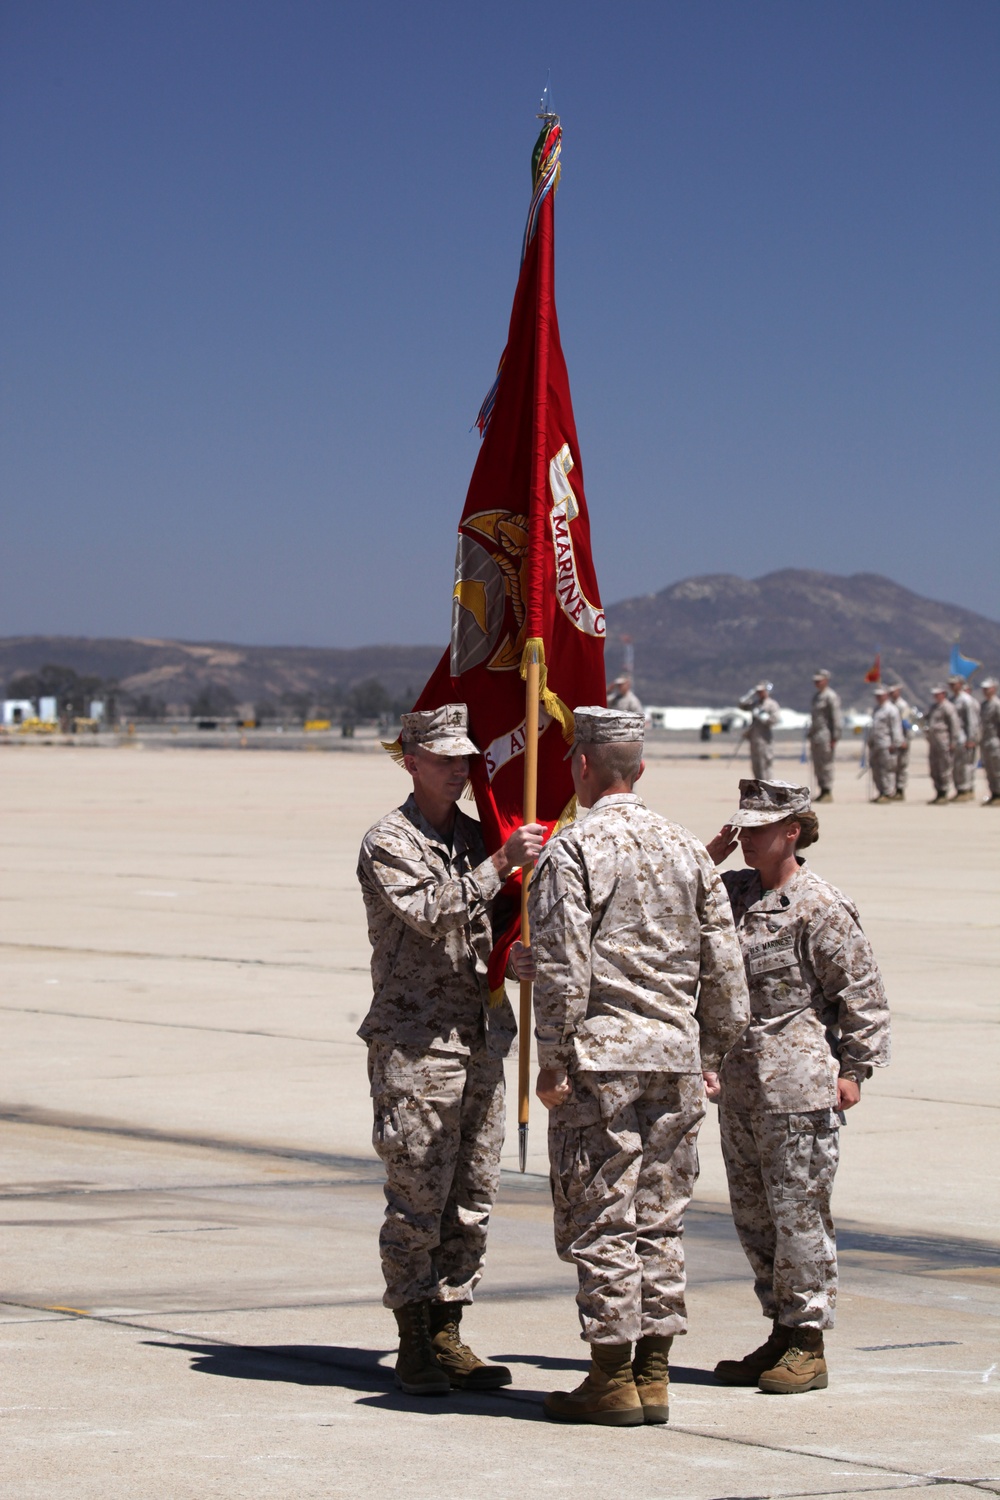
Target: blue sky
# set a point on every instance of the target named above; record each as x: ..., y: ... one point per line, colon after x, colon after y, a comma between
x: 259, y: 257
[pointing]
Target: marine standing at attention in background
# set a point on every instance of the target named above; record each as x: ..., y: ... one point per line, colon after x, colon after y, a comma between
x: 765, y: 716
x: 885, y: 739
x: 436, y: 1048
x: 819, y: 1024
x: 622, y: 696
x: 989, y: 719
x: 639, y: 988
x: 824, y: 732
x: 906, y: 725
x: 963, y: 766
x: 944, y: 731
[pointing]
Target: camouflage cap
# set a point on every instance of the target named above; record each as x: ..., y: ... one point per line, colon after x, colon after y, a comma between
x: 882, y: 690
x: 822, y: 672
x: 989, y: 682
x: 764, y: 687
x: 956, y: 681
x: 768, y: 802
x: 940, y: 687
x: 444, y: 730
x: 606, y: 726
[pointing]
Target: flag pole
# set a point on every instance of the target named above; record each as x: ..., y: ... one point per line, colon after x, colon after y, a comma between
x: 530, y: 813
x: 532, y: 663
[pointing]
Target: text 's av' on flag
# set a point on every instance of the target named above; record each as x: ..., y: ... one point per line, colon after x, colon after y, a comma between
x: 961, y: 666
x: 874, y: 673
x: 525, y: 586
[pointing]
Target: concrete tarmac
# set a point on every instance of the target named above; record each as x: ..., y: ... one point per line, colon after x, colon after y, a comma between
x: 190, y: 1202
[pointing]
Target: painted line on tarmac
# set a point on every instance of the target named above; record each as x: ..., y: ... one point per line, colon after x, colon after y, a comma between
x: 370, y: 1172
x: 186, y: 958
x: 79, y: 1015
x: 917, y: 1478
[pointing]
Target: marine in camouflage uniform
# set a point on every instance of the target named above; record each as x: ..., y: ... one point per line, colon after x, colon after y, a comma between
x: 765, y: 717
x: 435, y: 1050
x: 622, y: 696
x: 640, y: 986
x: 824, y: 732
x: 943, y: 730
x: 885, y: 739
x: 819, y: 1020
x: 989, y: 718
x: 965, y: 754
x: 906, y: 725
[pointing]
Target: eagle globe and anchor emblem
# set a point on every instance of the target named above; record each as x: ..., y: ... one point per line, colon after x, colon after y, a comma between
x: 491, y: 568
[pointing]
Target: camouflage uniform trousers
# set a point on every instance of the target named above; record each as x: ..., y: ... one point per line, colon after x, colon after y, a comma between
x: 903, y: 766
x: 939, y: 759
x: 762, y: 759
x: 439, y: 1127
x: 991, y: 764
x: 823, y: 758
x: 624, y: 1158
x: 781, y: 1169
x: 883, y: 764
x: 963, y: 767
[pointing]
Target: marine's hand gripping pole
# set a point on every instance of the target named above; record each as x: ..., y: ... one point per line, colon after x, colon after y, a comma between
x: 530, y: 810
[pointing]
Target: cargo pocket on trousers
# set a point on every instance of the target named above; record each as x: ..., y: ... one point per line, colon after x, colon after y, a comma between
x: 388, y: 1130
x: 570, y: 1131
x: 811, y: 1150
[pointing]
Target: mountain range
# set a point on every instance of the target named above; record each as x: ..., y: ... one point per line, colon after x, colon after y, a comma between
x: 704, y: 640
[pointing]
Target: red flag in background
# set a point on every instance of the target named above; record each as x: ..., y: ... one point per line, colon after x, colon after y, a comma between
x: 875, y: 674
x: 525, y: 586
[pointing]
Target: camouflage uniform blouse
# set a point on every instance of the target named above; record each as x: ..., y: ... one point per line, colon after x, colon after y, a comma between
x: 428, y: 907
x: 638, y: 963
x: 818, y: 1008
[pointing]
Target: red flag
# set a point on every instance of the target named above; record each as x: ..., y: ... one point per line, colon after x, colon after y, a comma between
x: 525, y: 586
x: 875, y: 675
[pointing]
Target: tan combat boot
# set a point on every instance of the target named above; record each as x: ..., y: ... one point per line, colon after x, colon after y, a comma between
x: 465, y: 1370
x: 650, y: 1369
x: 801, y: 1367
x: 749, y: 1369
x: 417, y: 1371
x: 607, y: 1397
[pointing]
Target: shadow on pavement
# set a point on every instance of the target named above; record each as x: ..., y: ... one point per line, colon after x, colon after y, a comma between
x: 349, y: 1370
x: 679, y: 1374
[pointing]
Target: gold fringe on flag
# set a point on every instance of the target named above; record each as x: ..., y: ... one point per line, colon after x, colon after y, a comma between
x: 393, y: 748
x: 534, y: 651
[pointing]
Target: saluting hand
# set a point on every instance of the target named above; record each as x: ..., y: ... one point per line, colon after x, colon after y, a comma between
x: 722, y: 846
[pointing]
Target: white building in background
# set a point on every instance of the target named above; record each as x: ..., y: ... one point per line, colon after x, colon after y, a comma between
x: 97, y: 710
x: 48, y: 710
x: 17, y: 711
x: 731, y: 719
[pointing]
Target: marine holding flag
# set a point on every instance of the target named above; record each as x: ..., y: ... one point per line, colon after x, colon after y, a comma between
x: 526, y: 645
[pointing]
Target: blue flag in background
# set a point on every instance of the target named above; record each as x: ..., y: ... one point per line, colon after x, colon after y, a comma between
x: 961, y: 666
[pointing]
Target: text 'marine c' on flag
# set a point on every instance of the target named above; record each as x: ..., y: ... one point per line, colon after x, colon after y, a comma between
x: 525, y: 586
x: 874, y: 674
